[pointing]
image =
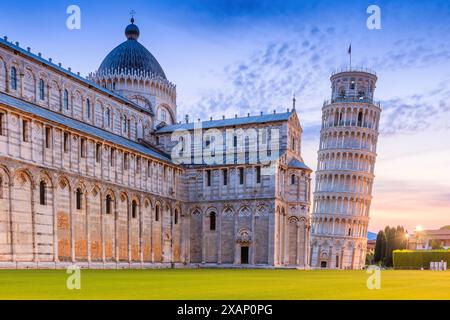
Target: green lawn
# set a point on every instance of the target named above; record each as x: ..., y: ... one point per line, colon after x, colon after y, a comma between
x: 223, y: 284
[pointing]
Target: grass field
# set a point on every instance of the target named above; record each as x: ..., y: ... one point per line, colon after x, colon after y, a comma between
x: 223, y: 284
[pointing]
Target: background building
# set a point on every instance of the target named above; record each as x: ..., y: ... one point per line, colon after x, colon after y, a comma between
x: 427, y: 239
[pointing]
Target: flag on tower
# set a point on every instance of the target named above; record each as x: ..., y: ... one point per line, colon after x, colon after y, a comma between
x: 350, y: 54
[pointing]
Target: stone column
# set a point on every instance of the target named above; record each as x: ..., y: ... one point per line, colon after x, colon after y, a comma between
x: 298, y: 244
x: 237, y: 256
x: 129, y: 217
x: 152, y: 217
x: 7, y: 79
x: 203, y: 235
x: 286, y: 239
x: 11, y: 221
x: 307, y: 246
x: 235, y: 234
x: 319, y: 258
x: 102, y: 223
x: 219, y: 237
x: 353, y: 258
x: 36, y: 93
x: 55, y: 224
x: 21, y: 75
x: 33, y: 222
x: 252, y: 248
x: 72, y: 227
x: 271, y: 242
x: 116, y: 231
x: 141, y: 230
x: 88, y: 233
x: 330, y: 258
x: 48, y: 96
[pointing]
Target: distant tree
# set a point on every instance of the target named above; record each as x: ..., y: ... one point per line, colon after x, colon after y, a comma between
x: 369, y: 259
x: 390, y: 247
x: 380, y: 247
x: 400, y: 238
x: 388, y: 240
x: 436, y: 244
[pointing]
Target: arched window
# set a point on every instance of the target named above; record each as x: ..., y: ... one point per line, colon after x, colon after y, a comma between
x: 88, y: 108
x: 163, y: 115
x: 2, y: 118
x: 349, y: 231
x: 111, y: 157
x: 241, y: 176
x: 108, y: 204
x: 108, y: 117
x: 1, y: 187
x: 125, y: 161
x: 79, y: 199
x: 336, y: 118
x: 352, y: 84
x: 258, y: 174
x: 157, y: 213
x: 125, y: 123
x: 134, y: 209
x: 42, y: 193
x: 98, y: 152
x: 66, y: 99
x: 41, y: 89
x: 212, y: 221
x: 176, y: 217
x: 13, y: 78
x: 360, y: 118
x: 293, y: 179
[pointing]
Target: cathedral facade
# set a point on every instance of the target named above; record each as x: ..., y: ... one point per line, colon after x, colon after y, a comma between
x: 88, y: 173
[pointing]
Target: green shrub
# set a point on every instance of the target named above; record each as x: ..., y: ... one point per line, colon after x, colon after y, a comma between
x: 409, y: 259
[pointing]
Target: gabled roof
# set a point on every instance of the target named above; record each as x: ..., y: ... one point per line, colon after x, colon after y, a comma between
x: 71, y: 74
x: 295, y: 163
x: 229, y: 122
x: 52, y: 116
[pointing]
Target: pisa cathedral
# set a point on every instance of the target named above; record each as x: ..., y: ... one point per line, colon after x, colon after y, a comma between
x: 87, y: 174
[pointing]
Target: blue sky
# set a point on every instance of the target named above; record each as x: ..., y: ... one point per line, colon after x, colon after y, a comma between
x: 235, y: 57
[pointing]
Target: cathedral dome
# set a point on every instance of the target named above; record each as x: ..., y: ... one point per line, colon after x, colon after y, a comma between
x: 132, y: 56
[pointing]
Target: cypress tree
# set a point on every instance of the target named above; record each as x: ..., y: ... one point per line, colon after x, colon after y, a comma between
x: 380, y: 247
x: 390, y: 246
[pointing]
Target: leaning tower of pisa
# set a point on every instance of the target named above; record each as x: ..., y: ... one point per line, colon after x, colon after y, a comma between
x: 345, y: 171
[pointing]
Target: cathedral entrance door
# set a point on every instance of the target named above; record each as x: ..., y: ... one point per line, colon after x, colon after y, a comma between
x: 323, y: 264
x: 244, y: 255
